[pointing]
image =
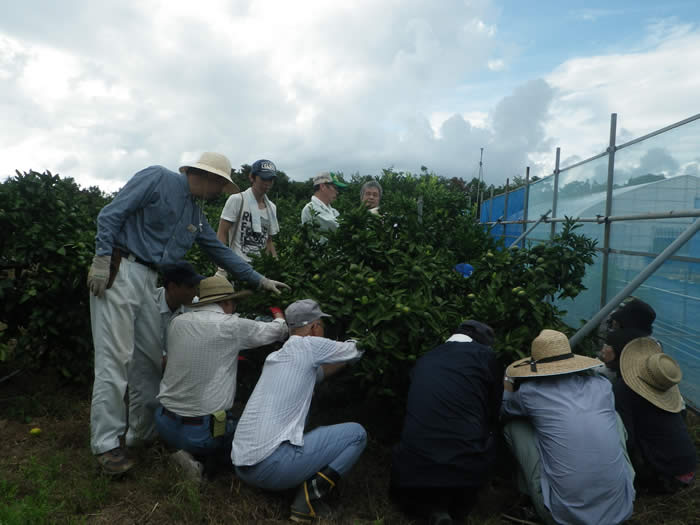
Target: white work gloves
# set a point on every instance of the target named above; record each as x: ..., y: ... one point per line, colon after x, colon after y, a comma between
x: 272, y: 286
x: 98, y: 276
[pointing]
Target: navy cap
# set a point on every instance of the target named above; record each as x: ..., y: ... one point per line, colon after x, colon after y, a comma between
x: 636, y: 314
x: 265, y: 169
x: 181, y: 272
x: 480, y: 332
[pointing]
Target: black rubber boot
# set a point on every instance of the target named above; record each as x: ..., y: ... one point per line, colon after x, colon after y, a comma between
x: 305, y: 506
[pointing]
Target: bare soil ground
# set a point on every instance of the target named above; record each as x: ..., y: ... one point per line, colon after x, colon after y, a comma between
x: 52, y: 477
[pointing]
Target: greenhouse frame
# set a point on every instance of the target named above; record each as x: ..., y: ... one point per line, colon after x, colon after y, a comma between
x: 641, y: 201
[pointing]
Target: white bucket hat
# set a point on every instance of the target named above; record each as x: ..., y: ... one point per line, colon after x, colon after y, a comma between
x: 217, y: 164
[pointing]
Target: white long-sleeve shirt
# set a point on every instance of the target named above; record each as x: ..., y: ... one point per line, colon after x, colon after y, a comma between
x: 277, y: 408
x: 326, y: 214
x: 203, y: 347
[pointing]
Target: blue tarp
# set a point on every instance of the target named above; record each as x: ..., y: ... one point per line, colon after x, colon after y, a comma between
x: 493, y: 209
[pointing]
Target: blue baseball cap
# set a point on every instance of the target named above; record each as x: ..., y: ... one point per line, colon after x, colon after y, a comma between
x: 263, y: 168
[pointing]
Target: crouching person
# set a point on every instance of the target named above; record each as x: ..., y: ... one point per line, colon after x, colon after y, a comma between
x: 448, y: 441
x: 570, y: 446
x: 199, y: 384
x: 270, y: 449
x: 649, y: 401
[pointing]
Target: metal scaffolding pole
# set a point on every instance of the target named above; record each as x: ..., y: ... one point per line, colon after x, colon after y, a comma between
x: 526, y: 233
x: 526, y: 200
x: 505, y: 208
x: 608, y: 210
x: 680, y: 214
x: 479, y: 195
x: 555, y: 194
x: 635, y: 283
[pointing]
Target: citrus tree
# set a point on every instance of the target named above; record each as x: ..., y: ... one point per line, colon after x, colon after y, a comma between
x: 388, y: 280
x: 47, y: 243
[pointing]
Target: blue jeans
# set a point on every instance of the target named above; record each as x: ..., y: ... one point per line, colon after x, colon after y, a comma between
x: 336, y: 446
x: 195, y: 439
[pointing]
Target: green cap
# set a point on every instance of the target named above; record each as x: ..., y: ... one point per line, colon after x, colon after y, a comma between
x: 328, y: 177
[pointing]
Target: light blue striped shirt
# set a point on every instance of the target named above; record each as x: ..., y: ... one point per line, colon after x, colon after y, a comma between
x: 277, y: 408
x: 156, y: 218
x: 585, y: 476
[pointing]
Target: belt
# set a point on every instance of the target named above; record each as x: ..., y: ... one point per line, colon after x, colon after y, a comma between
x: 131, y: 257
x: 196, y: 420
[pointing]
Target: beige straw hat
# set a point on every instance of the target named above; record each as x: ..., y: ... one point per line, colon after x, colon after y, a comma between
x: 217, y: 164
x: 218, y: 288
x: 652, y: 374
x: 551, y: 355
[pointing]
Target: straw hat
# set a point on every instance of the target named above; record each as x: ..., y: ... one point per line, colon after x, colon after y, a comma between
x: 218, y: 288
x: 652, y: 374
x: 551, y: 355
x: 217, y: 164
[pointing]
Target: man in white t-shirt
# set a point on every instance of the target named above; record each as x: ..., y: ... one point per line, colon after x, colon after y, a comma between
x: 319, y: 209
x: 249, y: 219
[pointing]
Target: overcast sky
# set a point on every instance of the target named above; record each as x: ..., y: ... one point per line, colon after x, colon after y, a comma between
x: 99, y: 90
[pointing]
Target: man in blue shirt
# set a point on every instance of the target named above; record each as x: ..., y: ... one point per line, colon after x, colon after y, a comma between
x: 153, y: 220
x: 567, y: 439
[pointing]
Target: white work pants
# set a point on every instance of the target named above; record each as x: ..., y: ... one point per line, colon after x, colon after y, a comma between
x: 126, y: 336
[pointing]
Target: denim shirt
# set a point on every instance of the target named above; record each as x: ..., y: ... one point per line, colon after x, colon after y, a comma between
x: 156, y: 218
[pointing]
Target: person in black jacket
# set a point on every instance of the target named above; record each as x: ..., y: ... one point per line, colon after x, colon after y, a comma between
x: 649, y: 403
x: 448, y: 441
x: 631, y: 320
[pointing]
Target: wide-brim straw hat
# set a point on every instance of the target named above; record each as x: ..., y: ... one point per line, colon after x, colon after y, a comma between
x: 218, y: 288
x: 217, y: 164
x: 551, y: 355
x: 652, y: 374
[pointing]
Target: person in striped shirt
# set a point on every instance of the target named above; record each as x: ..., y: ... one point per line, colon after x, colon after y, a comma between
x: 270, y: 449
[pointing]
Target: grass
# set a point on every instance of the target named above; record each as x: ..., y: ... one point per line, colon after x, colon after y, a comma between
x: 53, y: 478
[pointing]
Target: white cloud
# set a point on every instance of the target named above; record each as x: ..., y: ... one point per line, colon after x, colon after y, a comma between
x: 324, y: 85
x: 116, y: 86
x: 496, y: 64
x: 648, y: 90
